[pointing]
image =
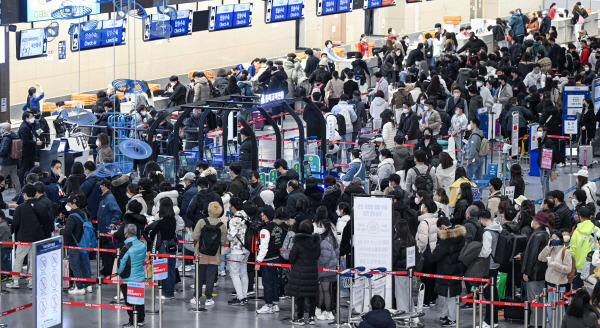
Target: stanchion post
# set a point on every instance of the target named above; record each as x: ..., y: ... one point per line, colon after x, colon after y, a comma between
x: 256, y: 289
x: 457, y: 311
x: 135, y: 314
x: 535, y: 317
x: 197, y: 285
x: 160, y: 304
x: 474, y: 310
x: 98, y: 256
x: 338, y: 306
x: 411, y: 275
x: 554, y: 311
x: 561, y: 296
x: 294, y: 308
x: 99, y: 299
x: 526, y: 315
x: 480, y: 306
x: 118, y: 281
x: 183, y: 263
x: 153, y: 311
x: 493, y: 285
x: 544, y: 300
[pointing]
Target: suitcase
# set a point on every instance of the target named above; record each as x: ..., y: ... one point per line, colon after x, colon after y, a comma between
x: 513, y: 313
x: 66, y: 273
x: 258, y: 120
x: 585, y: 156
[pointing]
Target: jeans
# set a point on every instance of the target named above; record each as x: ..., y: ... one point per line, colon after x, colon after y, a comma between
x: 141, y: 312
x: 270, y: 282
x: 551, y: 296
x: 344, y: 148
x: 312, y: 306
x: 534, y: 288
x: 239, y: 274
x: 458, y: 144
x: 169, y: 283
x: 20, y: 254
x: 80, y: 264
x: 401, y: 289
x: 487, y: 295
x: 5, y: 263
x: 11, y: 170
x: 475, y: 169
x: 223, y: 265
x: 206, y: 276
x: 545, y: 180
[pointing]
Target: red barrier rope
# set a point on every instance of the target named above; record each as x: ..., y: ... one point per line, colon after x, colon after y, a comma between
x: 15, y: 243
x: 17, y: 309
x: 12, y: 273
x: 104, y: 306
x: 124, y: 282
x: 94, y: 249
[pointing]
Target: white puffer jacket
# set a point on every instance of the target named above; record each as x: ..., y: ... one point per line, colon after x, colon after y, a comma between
x: 427, y: 232
x: 173, y: 194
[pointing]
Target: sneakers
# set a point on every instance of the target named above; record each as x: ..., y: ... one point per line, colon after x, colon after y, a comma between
x: 165, y: 298
x: 128, y: 325
x: 318, y: 312
x: 485, y: 325
x: 442, y: 319
x: 193, y: 301
x: 89, y: 289
x: 251, y: 293
x: 466, y: 306
x: 121, y: 294
x: 216, y: 284
x: 141, y: 324
x: 311, y: 321
x: 209, y: 302
x: 76, y: 291
x: 187, y: 268
x: 426, y: 306
x: 266, y: 309
x: 448, y: 323
x: 30, y: 286
x: 13, y: 284
x: 298, y: 322
x: 325, y: 315
x: 236, y: 301
x: 222, y: 273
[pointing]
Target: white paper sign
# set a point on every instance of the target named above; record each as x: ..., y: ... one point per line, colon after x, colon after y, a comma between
x: 3, y: 106
x: 575, y: 101
x: 533, y: 135
x: 410, y: 257
x: 570, y: 126
x: 50, y: 56
x: 47, y: 282
x: 372, y: 238
x: 510, y: 192
x: 515, y: 133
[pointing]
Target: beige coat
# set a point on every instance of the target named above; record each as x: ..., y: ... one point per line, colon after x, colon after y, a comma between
x: 206, y: 259
x: 559, y: 269
x: 334, y: 88
x: 427, y: 232
x: 103, y: 152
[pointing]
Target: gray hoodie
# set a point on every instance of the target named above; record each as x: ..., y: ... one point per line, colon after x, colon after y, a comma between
x: 490, y: 240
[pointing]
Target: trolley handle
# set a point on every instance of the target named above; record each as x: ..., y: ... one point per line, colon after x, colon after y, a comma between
x: 350, y: 271
x: 379, y: 270
x: 366, y: 274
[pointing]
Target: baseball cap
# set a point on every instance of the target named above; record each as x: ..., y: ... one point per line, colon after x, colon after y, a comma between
x: 323, y: 62
x: 582, y: 173
x: 73, y: 199
x: 106, y: 183
x: 190, y: 176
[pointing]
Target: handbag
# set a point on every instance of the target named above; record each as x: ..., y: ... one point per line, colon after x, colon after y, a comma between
x: 187, y: 235
x: 553, y: 176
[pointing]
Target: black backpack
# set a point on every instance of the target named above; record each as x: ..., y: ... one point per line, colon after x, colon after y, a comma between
x: 504, y: 247
x: 525, y: 19
x: 251, y: 239
x: 503, y: 198
x: 358, y: 70
x: 575, y: 18
x: 426, y: 176
x: 189, y: 94
x: 210, y: 238
x: 341, y: 121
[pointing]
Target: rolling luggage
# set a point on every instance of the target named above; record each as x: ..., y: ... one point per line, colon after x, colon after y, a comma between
x: 585, y: 156
x: 258, y: 120
x: 66, y: 273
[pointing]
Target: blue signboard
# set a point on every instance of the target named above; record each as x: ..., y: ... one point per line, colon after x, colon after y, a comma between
x: 492, y: 171
x: 370, y: 4
x: 180, y: 26
x: 329, y: 7
x: 107, y: 33
x: 229, y: 16
x: 281, y: 10
x: 573, y: 97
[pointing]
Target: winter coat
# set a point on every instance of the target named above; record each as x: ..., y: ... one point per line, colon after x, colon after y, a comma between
x: 588, y: 320
x: 560, y: 266
x: 475, y: 103
x: 356, y: 169
x: 108, y: 212
x: 28, y: 220
x: 388, y: 132
x: 173, y: 194
x: 427, y: 232
x: 198, y: 206
x: 349, y: 191
x: 339, y: 227
x: 103, y: 152
x: 459, y: 123
x: 531, y: 266
x: 400, y: 154
x: 130, y: 218
x: 281, y: 187
x: 498, y: 33
x: 238, y: 184
x: 433, y: 120
x: 330, y: 253
x: 202, y: 89
x: 331, y: 195
x: 474, y: 45
x: 473, y: 145
x: 29, y: 136
x: 304, y: 256
x: 236, y: 232
x: 315, y: 195
x: 377, y: 319
x: 73, y: 228
x: 449, y: 244
x: 409, y: 125
x: 378, y: 105
x: 414, y: 57
x: 489, y: 242
x: 590, y: 191
x: 400, y: 97
x: 335, y: 88
x: 246, y: 153
x: 196, y: 235
x: 533, y: 26
x: 548, y: 144
x: 140, y: 199
x: 292, y: 200
x: 516, y: 24
x: 504, y: 93
x: 411, y: 176
x: 135, y: 255
x: 5, y: 148
x: 220, y: 83
x: 580, y: 242
x: 384, y: 169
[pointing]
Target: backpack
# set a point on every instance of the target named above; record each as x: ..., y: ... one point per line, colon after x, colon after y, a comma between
x: 345, y: 111
x: 88, y: 236
x: 16, y: 149
x: 358, y: 70
x: 316, y: 88
x: 189, y: 94
x: 303, y: 88
x: 504, y: 247
x: 288, y: 243
x: 341, y: 122
x: 210, y: 238
x: 214, y: 92
x: 252, y: 239
x: 503, y: 198
x: 368, y: 152
x: 588, y: 268
x: 428, y: 50
x: 575, y: 18
x: 484, y: 146
x: 571, y: 274
x: 426, y: 176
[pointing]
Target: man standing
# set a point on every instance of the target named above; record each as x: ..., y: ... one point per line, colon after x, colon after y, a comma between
x: 534, y: 270
x: 420, y: 169
x: 114, y: 98
x: 271, y: 240
x: 8, y: 165
x: 382, y: 85
x: 236, y: 233
x: 198, y: 208
x: 545, y: 145
x: 178, y: 92
x: 582, y: 241
x: 28, y: 220
x: 72, y: 234
x: 409, y: 124
x: 31, y: 140
x: 108, y: 217
x: 431, y: 118
x: 47, y: 205
x: 131, y: 268
x: 495, y: 197
x: 491, y: 231
x: 294, y: 195
x: 564, y: 215
x: 238, y: 183
x: 285, y: 175
x: 312, y: 62
x: 256, y: 186
x: 189, y: 181
x: 246, y: 149
x: 474, y: 160
x: 91, y: 188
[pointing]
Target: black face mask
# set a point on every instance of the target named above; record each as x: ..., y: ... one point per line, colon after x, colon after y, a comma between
x: 254, y: 184
x: 2, y: 188
x: 427, y: 136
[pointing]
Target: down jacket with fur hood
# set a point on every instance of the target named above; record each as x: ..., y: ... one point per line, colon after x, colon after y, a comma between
x: 211, y: 174
x: 449, y: 244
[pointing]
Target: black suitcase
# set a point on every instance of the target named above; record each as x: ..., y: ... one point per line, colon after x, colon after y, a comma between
x: 514, y: 313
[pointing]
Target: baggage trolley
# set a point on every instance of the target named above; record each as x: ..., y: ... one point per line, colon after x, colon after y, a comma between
x: 357, y: 282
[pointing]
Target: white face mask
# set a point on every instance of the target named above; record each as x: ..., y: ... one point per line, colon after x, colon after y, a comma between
x: 380, y: 158
x: 320, y: 230
x: 469, y: 127
x: 540, y: 134
x: 330, y: 46
x: 574, y: 202
x: 417, y: 201
x: 517, y: 207
x: 436, y: 198
x: 586, y: 68
x: 457, y: 113
x: 143, y: 113
x: 422, y: 102
x: 566, y: 238
x: 532, y: 225
x: 338, y: 212
x: 405, y: 110
x: 57, y: 172
x: 479, y: 84
x: 456, y: 95
x: 129, y: 195
x: 31, y: 120
x: 68, y: 208
x: 414, y: 188
x: 98, y: 143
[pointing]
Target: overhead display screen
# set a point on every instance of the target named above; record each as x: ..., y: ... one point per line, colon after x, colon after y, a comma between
x: 330, y: 7
x: 230, y: 16
x: 107, y: 33
x: 180, y: 26
x: 39, y: 10
x: 371, y: 4
x: 281, y: 10
x: 31, y: 43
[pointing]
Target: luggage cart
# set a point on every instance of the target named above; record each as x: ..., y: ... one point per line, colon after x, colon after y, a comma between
x: 357, y: 282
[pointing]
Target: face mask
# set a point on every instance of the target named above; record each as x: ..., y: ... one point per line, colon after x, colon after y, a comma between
x: 31, y: 120
x: 532, y: 225
x: 98, y: 143
x: 181, y: 135
x: 129, y: 195
x: 427, y: 136
x: 380, y: 159
x: 68, y: 208
x: 330, y: 46
x: 456, y: 95
x: 554, y: 242
x: 405, y: 110
x: 320, y: 230
x: 517, y: 207
x: 422, y: 102
x: 338, y: 213
x: 535, y: 71
x: 586, y: 69
x: 364, y: 39
x: 254, y: 184
x: 143, y: 113
x: 417, y: 201
x: 540, y: 134
x: 469, y: 127
x: 57, y: 172
x: 566, y: 238
x: 414, y: 187
x: 436, y: 198
x: 479, y: 84
x: 457, y: 113
x: 574, y: 202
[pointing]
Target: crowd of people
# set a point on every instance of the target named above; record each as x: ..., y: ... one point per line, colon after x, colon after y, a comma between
x: 424, y: 91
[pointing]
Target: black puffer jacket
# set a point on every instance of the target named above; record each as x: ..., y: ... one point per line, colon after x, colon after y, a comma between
x: 330, y: 198
x: 450, y: 243
x: 281, y: 190
x: 564, y: 219
x: 130, y: 218
x: 352, y: 189
x: 314, y: 194
x: 532, y: 267
x: 304, y: 276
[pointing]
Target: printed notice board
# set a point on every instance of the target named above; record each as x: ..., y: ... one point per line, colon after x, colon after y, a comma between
x: 47, y: 282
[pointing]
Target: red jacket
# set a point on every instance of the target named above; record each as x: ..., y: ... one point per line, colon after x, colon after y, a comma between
x: 551, y: 14
x: 363, y: 48
x: 585, y: 55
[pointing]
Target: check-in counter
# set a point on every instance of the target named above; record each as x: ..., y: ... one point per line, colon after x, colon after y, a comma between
x: 371, y: 64
x: 564, y: 28
x: 160, y: 103
x: 488, y: 38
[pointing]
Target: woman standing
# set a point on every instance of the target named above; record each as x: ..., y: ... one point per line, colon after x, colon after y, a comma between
x: 388, y: 131
x: 465, y: 200
x: 587, y: 122
x: 333, y: 90
x: 446, y: 171
x: 552, y: 11
x: 162, y: 233
x: 438, y: 46
x: 577, y: 20
x: 426, y: 244
x: 559, y: 261
x: 584, y: 184
x: 459, y: 124
x: 499, y: 33
x: 304, y: 276
x: 104, y: 150
x: 332, y: 57
x: 34, y: 97
x: 402, y: 240
x: 329, y: 258
x: 363, y: 46
x: 133, y: 193
x: 516, y: 180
